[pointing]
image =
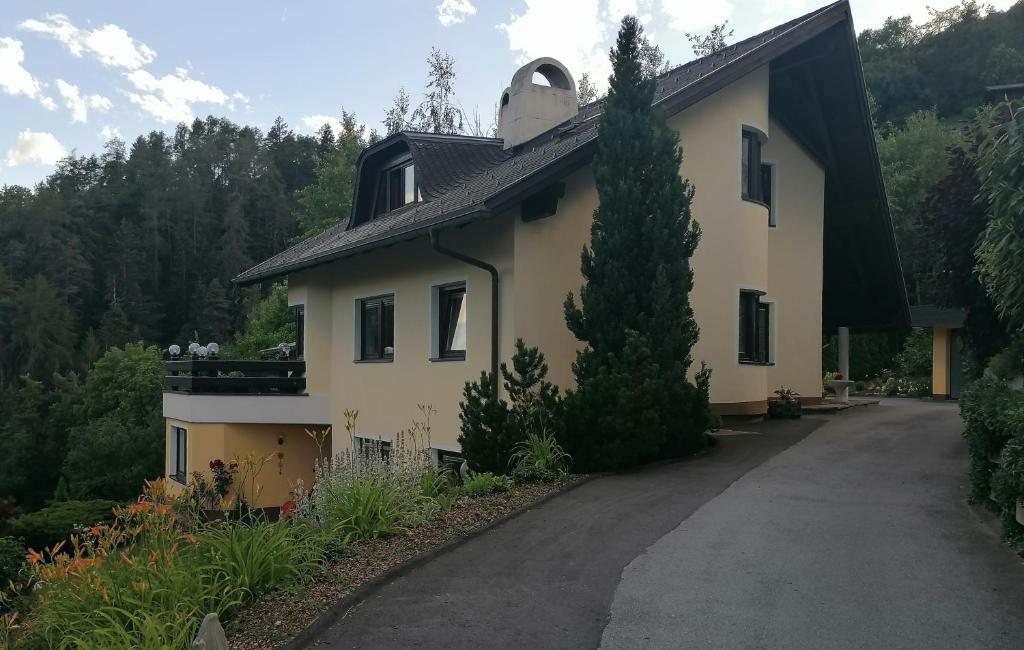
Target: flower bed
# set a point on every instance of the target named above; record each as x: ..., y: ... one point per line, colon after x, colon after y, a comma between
x: 147, y: 579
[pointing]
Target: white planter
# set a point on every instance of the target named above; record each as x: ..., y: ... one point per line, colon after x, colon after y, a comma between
x: 841, y: 388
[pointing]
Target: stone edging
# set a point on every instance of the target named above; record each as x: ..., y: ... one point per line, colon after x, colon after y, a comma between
x: 343, y: 605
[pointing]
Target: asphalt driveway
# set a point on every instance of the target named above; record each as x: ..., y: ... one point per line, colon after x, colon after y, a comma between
x: 846, y: 532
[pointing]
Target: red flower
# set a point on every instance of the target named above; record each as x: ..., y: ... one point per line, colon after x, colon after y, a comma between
x: 233, y: 465
x: 839, y: 376
x: 287, y: 508
x: 216, y: 463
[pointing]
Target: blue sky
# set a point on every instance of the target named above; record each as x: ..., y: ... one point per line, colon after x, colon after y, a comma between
x: 73, y: 74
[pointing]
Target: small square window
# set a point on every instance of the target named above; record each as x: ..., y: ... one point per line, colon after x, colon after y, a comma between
x: 179, y: 454
x: 451, y: 327
x: 370, y: 447
x: 377, y: 328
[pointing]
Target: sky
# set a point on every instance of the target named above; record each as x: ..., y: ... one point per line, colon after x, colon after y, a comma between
x: 75, y: 74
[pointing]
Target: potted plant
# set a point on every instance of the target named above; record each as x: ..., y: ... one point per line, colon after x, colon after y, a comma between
x: 786, y: 404
x: 840, y: 385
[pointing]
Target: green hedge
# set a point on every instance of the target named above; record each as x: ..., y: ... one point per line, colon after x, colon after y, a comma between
x: 54, y: 523
x: 993, y: 417
x: 12, y: 555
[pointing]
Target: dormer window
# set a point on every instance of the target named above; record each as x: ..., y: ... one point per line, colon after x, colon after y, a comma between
x: 396, y: 186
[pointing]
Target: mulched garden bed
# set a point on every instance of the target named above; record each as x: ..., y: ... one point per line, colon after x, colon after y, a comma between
x: 273, y: 620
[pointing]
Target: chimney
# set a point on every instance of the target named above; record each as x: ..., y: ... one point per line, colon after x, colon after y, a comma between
x: 528, y: 109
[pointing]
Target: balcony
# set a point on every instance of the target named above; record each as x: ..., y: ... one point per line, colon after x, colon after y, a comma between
x: 216, y: 377
x: 241, y: 392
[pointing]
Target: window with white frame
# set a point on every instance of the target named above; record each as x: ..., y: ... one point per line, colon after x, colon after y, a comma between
x: 179, y: 454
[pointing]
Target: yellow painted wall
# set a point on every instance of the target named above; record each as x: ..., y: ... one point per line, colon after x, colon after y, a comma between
x: 228, y: 442
x: 940, y: 360
x: 795, y: 262
x: 387, y: 394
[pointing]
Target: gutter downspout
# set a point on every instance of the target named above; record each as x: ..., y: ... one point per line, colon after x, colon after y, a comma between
x: 435, y: 243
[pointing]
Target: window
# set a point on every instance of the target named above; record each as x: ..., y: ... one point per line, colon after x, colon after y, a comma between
x: 300, y: 331
x: 767, y: 190
x: 751, y: 179
x: 377, y: 329
x: 396, y: 187
x: 179, y: 454
x: 368, y: 447
x: 754, y: 328
x: 451, y: 326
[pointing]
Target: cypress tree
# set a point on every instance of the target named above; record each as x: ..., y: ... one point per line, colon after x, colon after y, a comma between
x: 633, y: 401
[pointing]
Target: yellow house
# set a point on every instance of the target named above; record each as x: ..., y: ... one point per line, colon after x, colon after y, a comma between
x: 456, y: 246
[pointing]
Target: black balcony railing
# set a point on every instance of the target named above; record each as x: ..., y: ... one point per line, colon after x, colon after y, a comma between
x: 236, y: 377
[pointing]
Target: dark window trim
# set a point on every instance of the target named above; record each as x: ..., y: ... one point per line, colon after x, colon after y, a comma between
x: 757, y: 339
x: 300, y: 331
x: 751, y: 144
x: 179, y: 472
x: 442, y: 325
x: 768, y: 183
x: 384, y: 176
x: 364, y: 446
x: 381, y: 356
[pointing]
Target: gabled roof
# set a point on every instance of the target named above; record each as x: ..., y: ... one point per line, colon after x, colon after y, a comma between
x: 470, y: 194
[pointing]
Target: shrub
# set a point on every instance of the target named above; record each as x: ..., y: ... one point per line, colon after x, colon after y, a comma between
x: 539, y: 458
x: 259, y: 556
x: 1009, y: 364
x: 479, y: 485
x: 12, y: 556
x: 1008, y: 487
x: 49, y: 526
x: 368, y: 493
x: 915, y: 360
x: 491, y: 428
x: 990, y: 411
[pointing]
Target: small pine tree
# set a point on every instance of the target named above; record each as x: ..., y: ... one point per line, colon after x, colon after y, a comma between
x: 634, y: 401
x: 491, y: 427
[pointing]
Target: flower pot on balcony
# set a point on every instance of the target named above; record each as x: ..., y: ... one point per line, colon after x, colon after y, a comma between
x: 841, y: 387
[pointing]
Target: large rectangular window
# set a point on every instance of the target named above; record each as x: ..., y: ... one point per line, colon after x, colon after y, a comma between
x: 451, y: 326
x: 377, y: 328
x: 179, y: 454
x: 751, y: 179
x: 754, y: 328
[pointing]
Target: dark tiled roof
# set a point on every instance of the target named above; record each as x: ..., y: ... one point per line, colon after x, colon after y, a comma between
x: 474, y: 174
x: 933, y: 315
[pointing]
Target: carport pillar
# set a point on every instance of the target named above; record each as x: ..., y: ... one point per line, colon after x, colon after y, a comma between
x: 941, y: 353
x: 844, y: 352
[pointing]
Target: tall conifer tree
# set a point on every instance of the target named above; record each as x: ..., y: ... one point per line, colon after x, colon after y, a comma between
x: 634, y: 401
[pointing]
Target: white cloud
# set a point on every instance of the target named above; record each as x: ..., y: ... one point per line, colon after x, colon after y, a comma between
x: 453, y: 12
x: 170, y: 98
x: 110, y: 44
x: 689, y: 16
x: 15, y: 79
x: 108, y: 133
x: 541, y: 31
x: 314, y: 122
x: 80, y: 104
x: 35, y: 147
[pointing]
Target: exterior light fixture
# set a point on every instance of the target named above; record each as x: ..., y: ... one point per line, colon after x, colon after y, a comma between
x: 193, y: 348
x: 174, y: 350
x: 202, y: 351
x: 213, y: 348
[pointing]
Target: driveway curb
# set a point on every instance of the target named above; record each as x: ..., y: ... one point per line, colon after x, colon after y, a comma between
x: 344, y: 605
